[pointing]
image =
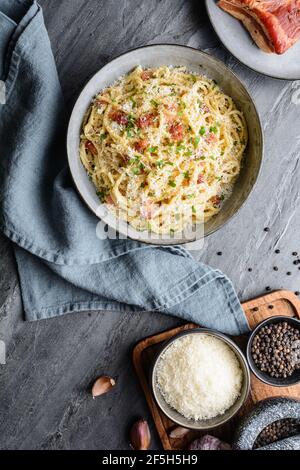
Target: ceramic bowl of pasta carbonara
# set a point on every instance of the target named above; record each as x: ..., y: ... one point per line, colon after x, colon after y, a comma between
x: 165, y: 144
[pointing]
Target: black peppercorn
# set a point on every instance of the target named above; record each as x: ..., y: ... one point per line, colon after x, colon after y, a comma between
x: 289, y: 273
x: 267, y: 229
x: 276, y: 431
x: 294, y: 253
x: 275, y: 268
x: 273, y: 349
x: 219, y: 253
x: 268, y: 288
x: 277, y: 251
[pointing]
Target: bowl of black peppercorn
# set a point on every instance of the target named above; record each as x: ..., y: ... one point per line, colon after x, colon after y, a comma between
x: 273, y: 351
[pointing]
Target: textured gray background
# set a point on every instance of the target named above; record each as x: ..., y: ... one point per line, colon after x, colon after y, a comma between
x: 44, y: 399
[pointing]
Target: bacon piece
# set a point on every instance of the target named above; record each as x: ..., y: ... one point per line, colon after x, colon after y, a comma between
x: 211, y: 138
x: 176, y: 131
x: 109, y: 200
x: 146, y: 120
x: 273, y: 24
x: 205, y: 109
x: 125, y: 159
x: 100, y: 103
x: 147, y: 210
x: 141, y: 145
x: 173, y: 107
x: 91, y: 147
x: 146, y: 75
x: 200, y: 179
x: 119, y: 117
x: 216, y: 200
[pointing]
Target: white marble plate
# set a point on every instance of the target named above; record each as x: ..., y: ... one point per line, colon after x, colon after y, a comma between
x: 239, y: 42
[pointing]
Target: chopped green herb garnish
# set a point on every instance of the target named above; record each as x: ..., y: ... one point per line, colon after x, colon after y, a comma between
x: 196, y: 142
x: 103, y: 136
x: 101, y: 195
x: 202, y: 130
x: 186, y: 175
x: 162, y: 163
x: 194, y: 209
x: 131, y: 121
x: 189, y: 153
x: 213, y: 129
x: 154, y: 103
x: 134, y: 160
x: 136, y: 171
x: 180, y: 147
x: 152, y: 149
x: 190, y: 196
x: 172, y: 183
x: 130, y: 125
x: 133, y: 102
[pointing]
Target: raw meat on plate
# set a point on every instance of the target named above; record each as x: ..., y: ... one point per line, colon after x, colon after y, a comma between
x: 273, y: 24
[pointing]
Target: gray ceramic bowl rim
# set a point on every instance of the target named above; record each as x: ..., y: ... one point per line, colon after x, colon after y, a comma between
x: 237, y: 351
x: 250, y: 361
x: 235, y: 76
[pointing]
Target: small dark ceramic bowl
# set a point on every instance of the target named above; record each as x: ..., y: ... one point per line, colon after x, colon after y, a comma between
x: 264, y: 377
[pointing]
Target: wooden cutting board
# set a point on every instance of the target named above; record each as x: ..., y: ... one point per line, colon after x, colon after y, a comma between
x: 276, y: 303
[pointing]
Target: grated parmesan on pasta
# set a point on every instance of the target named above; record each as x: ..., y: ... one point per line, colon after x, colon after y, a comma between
x: 199, y: 376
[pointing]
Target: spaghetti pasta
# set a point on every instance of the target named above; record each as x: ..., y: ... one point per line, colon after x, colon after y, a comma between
x: 163, y: 147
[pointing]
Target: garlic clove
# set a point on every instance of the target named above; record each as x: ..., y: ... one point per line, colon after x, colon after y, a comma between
x: 178, y: 432
x: 140, y: 437
x: 102, y: 385
x: 208, y: 442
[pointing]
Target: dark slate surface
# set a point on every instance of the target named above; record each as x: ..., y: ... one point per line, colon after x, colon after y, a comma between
x: 44, y: 399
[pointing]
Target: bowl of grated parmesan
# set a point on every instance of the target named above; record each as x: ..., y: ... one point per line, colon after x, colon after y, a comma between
x: 200, y: 379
